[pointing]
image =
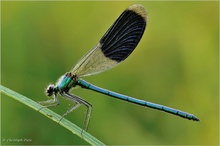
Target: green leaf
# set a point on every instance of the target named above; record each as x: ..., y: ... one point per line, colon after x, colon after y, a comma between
x: 51, y: 115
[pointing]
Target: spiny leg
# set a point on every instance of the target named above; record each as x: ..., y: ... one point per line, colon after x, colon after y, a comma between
x: 51, y: 102
x: 88, y: 106
x: 75, y: 106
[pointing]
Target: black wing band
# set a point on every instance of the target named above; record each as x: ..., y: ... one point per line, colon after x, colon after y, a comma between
x: 123, y: 36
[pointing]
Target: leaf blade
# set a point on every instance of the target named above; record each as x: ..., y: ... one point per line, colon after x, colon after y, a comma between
x: 51, y: 115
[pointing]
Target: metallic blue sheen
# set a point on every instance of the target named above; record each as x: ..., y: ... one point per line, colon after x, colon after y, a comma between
x: 166, y: 109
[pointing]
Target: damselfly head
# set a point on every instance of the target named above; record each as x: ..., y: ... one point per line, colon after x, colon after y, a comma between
x: 50, y: 89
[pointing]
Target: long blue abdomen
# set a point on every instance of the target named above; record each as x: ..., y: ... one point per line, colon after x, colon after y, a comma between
x: 166, y: 109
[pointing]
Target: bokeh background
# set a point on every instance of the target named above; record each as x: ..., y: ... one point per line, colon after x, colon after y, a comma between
x: 175, y: 64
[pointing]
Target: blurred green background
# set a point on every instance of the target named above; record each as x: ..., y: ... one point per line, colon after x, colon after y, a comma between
x: 175, y: 64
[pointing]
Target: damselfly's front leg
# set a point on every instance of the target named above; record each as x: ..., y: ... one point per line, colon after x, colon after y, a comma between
x: 51, y: 102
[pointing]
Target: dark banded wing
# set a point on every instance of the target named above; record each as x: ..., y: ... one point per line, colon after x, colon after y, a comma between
x: 124, y: 35
x: 116, y: 44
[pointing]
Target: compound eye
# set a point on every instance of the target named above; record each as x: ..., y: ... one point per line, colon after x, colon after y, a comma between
x: 50, y: 90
